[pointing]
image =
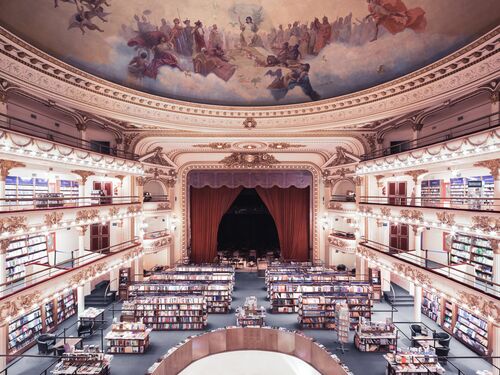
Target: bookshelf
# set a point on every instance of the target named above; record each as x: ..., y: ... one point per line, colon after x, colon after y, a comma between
x: 431, y: 305
x: 129, y: 338
x: 123, y: 283
x: 447, y: 316
x: 25, y: 188
x: 250, y: 315
x: 25, y: 250
x: 431, y: 192
x: 50, y: 321
x: 476, y: 251
x: 66, y: 306
x: 413, y: 361
x: 342, y: 323
x: 472, y: 331
x: 23, y: 330
x: 169, y: 313
x: 317, y: 304
x: 375, y: 337
x: 68, y: 188
x: 218, y: 296
x: 88, y: 361
x: 458, y: 191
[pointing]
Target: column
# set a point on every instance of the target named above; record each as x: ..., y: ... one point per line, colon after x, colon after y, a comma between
x: 3, y: 102
x: 385, y: 278
x: 4, y: 332
x: 417, y: 303
x: 4, y: 244
x: 137, y: 269
x: 496, y: 345
x: 81, y: 125
x: 80, y: 297
x: 416, y: 127
x: 113, y: 279
x: 5, y: 167
x: 81, y: 242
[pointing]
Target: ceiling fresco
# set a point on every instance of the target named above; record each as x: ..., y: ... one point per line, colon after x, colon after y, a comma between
x: 255, y: 53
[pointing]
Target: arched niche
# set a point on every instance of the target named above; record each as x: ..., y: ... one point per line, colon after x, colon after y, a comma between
x: 155, y: 188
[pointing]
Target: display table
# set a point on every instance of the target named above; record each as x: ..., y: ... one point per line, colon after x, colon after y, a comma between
x: 91, y: 314
x: 413, y: 361
x: 83, y: 362
x: 375, y: 337
x: 130, y: 338
x: 250, y: 315
x: 427, y: 341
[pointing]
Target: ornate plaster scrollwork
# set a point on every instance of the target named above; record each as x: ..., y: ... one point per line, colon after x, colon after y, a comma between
x: 358, y: 180
x: 416, y: 173
x: 214, y: 145
x: 385, y: 211
x: 140, y: 181
x: 12, y: 224
x: 379, y: 177
x: 113, y: 211
x: 163, y: 206
x: 335, y: 206
x: 84, y: 175
x: 446, y: 218
x: 134, y: 209
x: 485, y: 307
x: 413, y: 273
x: 7, y: 165
x: 414, y: 215
x: 23, y: 302
x: 249, y: 159
x: 53, y: 218
x: 84, y: 215
x: 367, y: 210
x: 370, y: 255
x: 249, y: 123
x: 486, y: 223
x: 87, y: 273
x: 493, y: 165
x: 4, y: 245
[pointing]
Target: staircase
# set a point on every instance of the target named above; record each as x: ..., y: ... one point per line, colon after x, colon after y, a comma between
x: 97, y: 298
x: 400, y: 298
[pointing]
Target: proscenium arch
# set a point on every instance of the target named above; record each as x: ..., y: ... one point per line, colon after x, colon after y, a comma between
x: 315, y: 193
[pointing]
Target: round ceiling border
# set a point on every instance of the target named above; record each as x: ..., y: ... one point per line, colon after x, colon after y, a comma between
x: 26, y: 65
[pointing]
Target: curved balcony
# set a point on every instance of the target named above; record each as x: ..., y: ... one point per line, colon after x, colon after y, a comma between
x: 154, y: 204
x: 471, y: 127
x: 450, y: 203
x: 342, y: 241
x: 21, y: 140
x: 50, y: 201
x: 156, y: 241
x: 255, y: 338
x: 69, y: 273
x: 459, y: 275
x: 342, y: 203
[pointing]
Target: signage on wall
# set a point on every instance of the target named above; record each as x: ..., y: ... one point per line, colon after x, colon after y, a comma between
x: 474, y: 183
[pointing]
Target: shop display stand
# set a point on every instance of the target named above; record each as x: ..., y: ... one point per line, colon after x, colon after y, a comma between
x: 431, y: 305
x: 130, y: 338
x: 413, y: 361
x: 250, y: 314
x: 88, y: 361
x: 375, y: 337
x: 23, y: 331
x: 183, y: 312
x: 218, y: 296
x: 317, y: 304
x: 342, y: 325
x: 472, y: 331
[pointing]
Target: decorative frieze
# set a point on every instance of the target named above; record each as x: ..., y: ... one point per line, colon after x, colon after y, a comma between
x: 249, y: 123
x: 113, y: 211
x: 87, y: 215
x: 415, y: 174
x: 86, y: 274
x: 13, y: 224
x: 214, y: 145
x: 84, y: 175
x: 284, y: 145
x: 249, y: 160
x: 486, y: 223
x: 136, y: 208
x: 21, y: 303
x: 7, y: 165
x: 53, y: 218
x: 485, y: 307
x: 445, y: 217
x: 493, y: 165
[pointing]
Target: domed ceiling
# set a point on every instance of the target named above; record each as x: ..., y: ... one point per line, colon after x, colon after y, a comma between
x: 254, y: 53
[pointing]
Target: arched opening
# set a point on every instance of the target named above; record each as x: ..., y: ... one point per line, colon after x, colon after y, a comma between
x: 248, y: 228
x: 343, y: 191
x: 154, y: 191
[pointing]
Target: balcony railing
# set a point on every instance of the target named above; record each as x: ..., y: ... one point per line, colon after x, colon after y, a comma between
x: 155, y: 235
x: 470, y: 127
x: 23, y: 127
x: 462, y: 203
x: 51, y: 202
x: 52, y: 270
x: 342, y: 198
x: 343, y: 235
x: 451, y: 272
x: 155, y: 198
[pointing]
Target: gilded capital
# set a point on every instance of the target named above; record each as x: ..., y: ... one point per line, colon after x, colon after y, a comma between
x: 493, y: 165
x: 7, y: 165
x: 84, y: 175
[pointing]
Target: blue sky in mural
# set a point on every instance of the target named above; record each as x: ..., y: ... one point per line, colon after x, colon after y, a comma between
x: 249, y: 53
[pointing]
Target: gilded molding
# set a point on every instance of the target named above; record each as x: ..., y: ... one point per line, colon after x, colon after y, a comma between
x: 413, y: 273
x: 249, y: 123
x: 113, y: 211
x: 214, y: 145
x: 12, y: 224
x: 385, y: 211
x: 445, y: 217
x: 134, y: 209
x: 335, y: 206
x: 284, y: 145
x: 415, y: 174
x: 53, y: 218
x: 486, y: 308
x: 7, y: 165
x: 486, y: 223
x: 84, y: 175
x: 492, y: 165
x: 87, y: 215
x: 249, y: 160
x: 14, y: 307
x: 86, y: 274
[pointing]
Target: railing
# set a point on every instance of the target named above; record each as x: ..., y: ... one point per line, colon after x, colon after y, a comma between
x: 465, y: 203
x: 155, y: 198
x: 23, y: 127
x: 29, y: 280
x: 470, y: 127
x: 342, y: 198
x: 155, y: 235
x: 451, y: 272
x: 343, y: 235
x: 43, y: 203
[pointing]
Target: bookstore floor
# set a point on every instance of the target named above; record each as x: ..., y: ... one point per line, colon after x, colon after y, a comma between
x: 247, y: 284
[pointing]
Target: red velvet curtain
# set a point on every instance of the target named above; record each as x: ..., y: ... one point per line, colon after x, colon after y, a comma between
x: 290, y: 210
x: 208, y: 205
